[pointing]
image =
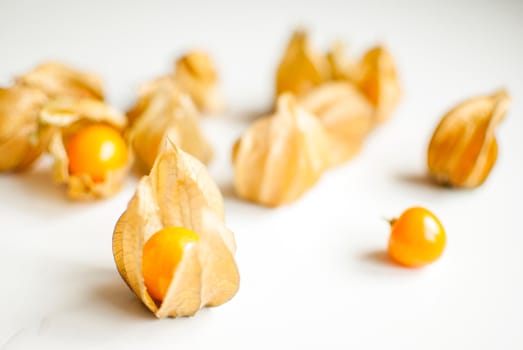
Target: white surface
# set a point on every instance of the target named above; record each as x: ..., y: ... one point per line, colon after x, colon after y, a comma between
x: 312, y: 274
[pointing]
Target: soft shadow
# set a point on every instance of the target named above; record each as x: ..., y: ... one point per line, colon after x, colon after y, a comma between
x: 378, y: 262
x: 40, y: 182
x: 228, y: 191
x: 423, y: 180
x: 39, y: 194
x: 114, y: 294
x: 378, y: 257
x: 248, y: 114
x: 138, y: 170
x: 102, y: 289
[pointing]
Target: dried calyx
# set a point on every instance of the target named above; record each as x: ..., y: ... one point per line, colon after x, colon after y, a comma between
x: 346, y: 115
x: 301, y: 67
x: 338, y: 102
x: 59, y: 80
x: 20, y: 144
x: 21, y: 140
x: 196, y: 74
x: 281, y: 156
x: 375, y: 75
x: 165, y: 112
x: 341, y: 65
x: 463, y: 149
x: 179, y: 192
x: 377, y: 78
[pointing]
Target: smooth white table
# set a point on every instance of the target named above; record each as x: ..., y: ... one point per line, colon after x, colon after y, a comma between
x: 313, y: 274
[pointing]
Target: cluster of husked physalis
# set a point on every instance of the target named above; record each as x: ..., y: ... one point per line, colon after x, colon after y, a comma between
x: 168, y: 109
x: 461, y: 154
x: 171, y: 245
x: 326, y: 104
x: 61, y: 110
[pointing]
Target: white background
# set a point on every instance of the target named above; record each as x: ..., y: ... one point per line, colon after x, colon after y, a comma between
x: 313, y: 274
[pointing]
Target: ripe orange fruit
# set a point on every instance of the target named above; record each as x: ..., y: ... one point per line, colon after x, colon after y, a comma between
x: 162, y: 254
x: 417, y: 238
x: 96, y: 150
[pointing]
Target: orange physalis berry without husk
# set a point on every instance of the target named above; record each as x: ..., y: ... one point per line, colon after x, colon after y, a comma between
x: 417, y: 238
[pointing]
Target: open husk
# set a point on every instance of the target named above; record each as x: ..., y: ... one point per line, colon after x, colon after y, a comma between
x: 377, y: 78
x: 346, y: 115
x: 280, y: 156
x: 375, y: 74
x: 342, y: 67
x: 301, y: 68
x: 62, y: 118
x: 463, y: 148
x: 59, y: 80
x: 196, y: 74
x: 179, y: 192
x: 20, y: 143
x: 164, y: 112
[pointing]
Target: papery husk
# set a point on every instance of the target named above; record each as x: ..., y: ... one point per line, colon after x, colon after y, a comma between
x: 377, y: 78
x: 164, y: 112
x: 20, y: 142
x: 179, y: 192
x: 301, y: 68
x: 59, y: 80
x: 281, y: 156
x: 463, y: 148
x: 196, y: 74
x: 346, y: 115
x: 65, y: 112
x: 145, y: 94
x: 62, y: 118
x: 342, y: 67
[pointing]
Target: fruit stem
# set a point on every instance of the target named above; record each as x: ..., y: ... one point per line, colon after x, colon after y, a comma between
x: 390, y: 221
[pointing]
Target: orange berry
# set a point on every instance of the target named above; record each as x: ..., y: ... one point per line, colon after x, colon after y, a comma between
x: 161, y: 255
x: 417, y: 238
x: 96, y: 150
